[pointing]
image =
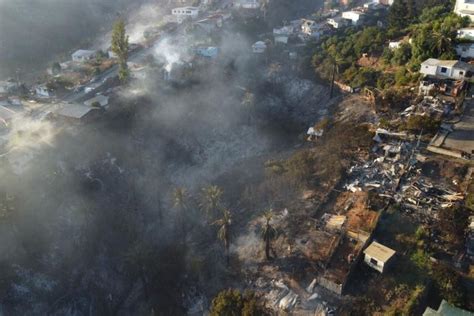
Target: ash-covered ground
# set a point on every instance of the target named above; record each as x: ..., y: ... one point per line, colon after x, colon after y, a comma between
x: 88, y: 221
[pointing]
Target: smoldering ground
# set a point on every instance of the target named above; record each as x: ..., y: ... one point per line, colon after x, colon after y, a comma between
x: 88, y: 222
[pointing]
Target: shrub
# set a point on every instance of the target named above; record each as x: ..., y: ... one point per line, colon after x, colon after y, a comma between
x: 232, y: 302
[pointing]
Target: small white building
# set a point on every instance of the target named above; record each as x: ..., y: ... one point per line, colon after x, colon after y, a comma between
x: 386, y: 2
x: 42, y: 91
x: 83, y: 55
x: 464, y: 8
x: 247, y: 4
x: 373, y: 6
x: 452, y: 69
x: 282, y: 35
x: 355, y: 17
x: 259, y: 47
x: 378, y: 256
x: 100, y: 99
x: 466, y: 34
x: 337, y: 22
x: 393, y: 45
x: 184, y: 13
x: 465, y: 50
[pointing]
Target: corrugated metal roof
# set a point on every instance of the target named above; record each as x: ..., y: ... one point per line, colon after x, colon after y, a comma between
x: 74, y: 111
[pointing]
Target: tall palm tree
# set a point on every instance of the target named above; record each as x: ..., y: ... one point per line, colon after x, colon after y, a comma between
x: 210, y: 200
x: 180, y: 197
x: 223, y: 233
x: 441, y: 42
x: 269, y: 233
x: 248, y: 102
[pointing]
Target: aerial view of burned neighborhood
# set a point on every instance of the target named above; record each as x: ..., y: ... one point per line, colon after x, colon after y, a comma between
x: 236, y: 157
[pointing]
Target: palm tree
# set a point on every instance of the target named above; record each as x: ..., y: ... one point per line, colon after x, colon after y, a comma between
x: 248, y: 102
x: 268, y: 233
x: 180, y: 197
x: 223, y: 233
x: 211, y: 200
x: 441, y: 42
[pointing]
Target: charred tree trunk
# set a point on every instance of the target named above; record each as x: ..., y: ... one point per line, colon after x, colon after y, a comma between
x: 267, y: 249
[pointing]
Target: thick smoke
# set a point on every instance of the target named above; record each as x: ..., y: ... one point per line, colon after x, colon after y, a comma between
x: 88, y: 224
x: 33, y: 33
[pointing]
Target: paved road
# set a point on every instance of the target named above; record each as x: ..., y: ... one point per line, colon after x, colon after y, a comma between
x: 137, y: 56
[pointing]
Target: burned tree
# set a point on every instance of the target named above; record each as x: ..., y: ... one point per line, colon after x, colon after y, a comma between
x: 269, y: 233
x: 223, y: 233
x: 211, y: 200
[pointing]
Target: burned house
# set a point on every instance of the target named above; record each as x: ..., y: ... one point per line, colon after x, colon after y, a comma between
x: 9, y: 87
x: 456, y: 140
x: 353, y: 228
x: 259, y: 47
x: 470, y: 238
x: 431, y: 85
x: 83, y: 55
x: 76, y: 113
x: 99, y: 100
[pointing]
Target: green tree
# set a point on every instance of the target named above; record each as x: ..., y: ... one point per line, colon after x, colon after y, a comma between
x: 223, y: 233
x: 232, y: 302
x: 211, y: 200
x: 120, y: 48
x: 398, y: 15
x: 269, y: 233
x: 402, y: 54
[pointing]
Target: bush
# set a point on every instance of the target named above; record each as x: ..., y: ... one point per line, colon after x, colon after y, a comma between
x: 233, y: 303
x: 419, y: 123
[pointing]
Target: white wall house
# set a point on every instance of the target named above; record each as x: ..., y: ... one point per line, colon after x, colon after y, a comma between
x: 247, y: 4
x: 465, y: 50
x: 184, y: 13
x: 452, y: 69
x: 465, y: 8
x: 337, y: 22
x: 282, y: 35
x: 377, y: 256
x: 83, y: 55
x: 259, y: 47
x: 466, y: 34
x: 42, y: 91
x: 355, y: 17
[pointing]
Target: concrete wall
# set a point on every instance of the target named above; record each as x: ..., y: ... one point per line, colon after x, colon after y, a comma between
x: 379, y: 266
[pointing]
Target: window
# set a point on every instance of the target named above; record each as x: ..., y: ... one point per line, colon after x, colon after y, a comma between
x: 373, y: 261
x: 444, y: 70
